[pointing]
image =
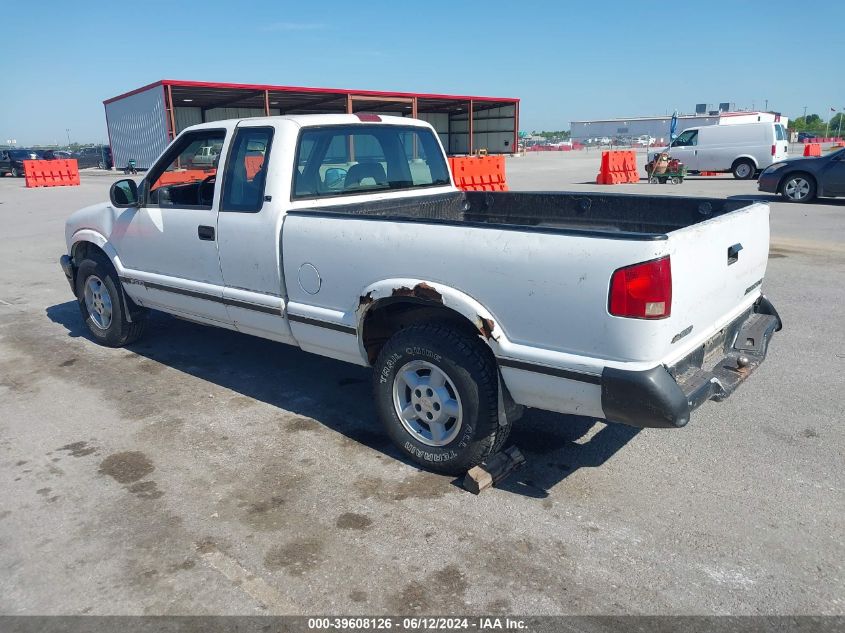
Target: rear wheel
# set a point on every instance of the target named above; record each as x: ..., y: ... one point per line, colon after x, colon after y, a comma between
x: 15, y: 173
x: 743, y: 169
x: 102, y: 304
x: 436, y: 390
x: 798, y: 188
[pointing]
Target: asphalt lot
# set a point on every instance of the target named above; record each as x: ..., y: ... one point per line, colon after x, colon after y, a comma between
x: 205, y: 472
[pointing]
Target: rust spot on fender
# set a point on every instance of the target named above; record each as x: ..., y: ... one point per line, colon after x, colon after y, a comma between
x: 486, y: 327
x: 421, y: 291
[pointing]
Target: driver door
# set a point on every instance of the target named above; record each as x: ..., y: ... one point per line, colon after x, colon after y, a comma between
x: 168, y: 245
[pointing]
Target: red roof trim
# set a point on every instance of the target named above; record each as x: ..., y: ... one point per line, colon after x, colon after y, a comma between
x: 338, y: 91
x: 134, y: 92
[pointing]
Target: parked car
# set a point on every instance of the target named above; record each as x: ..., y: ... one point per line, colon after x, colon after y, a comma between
x: 645, y: 141
x: 806, y: 136
x: 375, y: 258
x: 55, y: 154
x: 206, y: 156
x: 604, y: 140
x: 743, y: 149
x: 98, y: 156
x: 11, y: 160
x: 802, y: 179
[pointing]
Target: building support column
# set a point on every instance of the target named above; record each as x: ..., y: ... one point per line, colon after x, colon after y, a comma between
x: 171, y: 116
x: 471, y: 133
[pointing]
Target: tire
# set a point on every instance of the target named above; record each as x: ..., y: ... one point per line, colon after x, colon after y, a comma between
x: 798, y: 187
x: 103, y: 309
x: 15, y: 173
x: 468, y: 372
x: 743, y: 169
x: 653, y: 180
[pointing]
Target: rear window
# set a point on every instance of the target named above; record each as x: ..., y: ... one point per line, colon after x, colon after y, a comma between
x: 780, y: 133
x: 353, y: 159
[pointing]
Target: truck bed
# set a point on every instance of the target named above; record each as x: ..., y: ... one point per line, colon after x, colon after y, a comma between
x: 621, y: 216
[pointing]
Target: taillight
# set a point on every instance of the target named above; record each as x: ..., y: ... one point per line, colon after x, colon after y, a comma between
x: 774, y: 149
x: 368, y: 117
x: 642, y: 291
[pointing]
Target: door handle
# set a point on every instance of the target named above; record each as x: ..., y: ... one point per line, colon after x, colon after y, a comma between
x: 205, y: 233
x: 733, y: 253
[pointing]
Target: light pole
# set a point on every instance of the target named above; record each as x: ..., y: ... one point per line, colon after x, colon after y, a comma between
x: 67, y: 131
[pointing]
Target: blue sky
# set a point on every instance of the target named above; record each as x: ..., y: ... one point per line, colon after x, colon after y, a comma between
x: 566, y: 61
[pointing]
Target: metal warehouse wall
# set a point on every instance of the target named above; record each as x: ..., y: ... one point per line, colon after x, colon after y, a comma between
x: 187, y: 116
x: 137, y: 127
x: 658, y: 127
x: 492, y: 130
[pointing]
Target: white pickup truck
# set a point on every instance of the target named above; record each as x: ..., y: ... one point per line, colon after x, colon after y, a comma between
x: 345, y: 236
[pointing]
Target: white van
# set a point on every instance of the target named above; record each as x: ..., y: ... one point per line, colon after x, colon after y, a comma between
x: 744, y: 149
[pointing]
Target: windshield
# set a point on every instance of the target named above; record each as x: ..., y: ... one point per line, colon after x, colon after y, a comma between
x: 24, y: 153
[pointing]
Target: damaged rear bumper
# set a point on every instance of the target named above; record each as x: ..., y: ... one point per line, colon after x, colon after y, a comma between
x: 664, y: 397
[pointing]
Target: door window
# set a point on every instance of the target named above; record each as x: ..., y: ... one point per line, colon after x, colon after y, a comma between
x: 185, y: 177
x: 780, y: 133
x: 348, y: 160
x: 686, y: 139
x: 246, y: 170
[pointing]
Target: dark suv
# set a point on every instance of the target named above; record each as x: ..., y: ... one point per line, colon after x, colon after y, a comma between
x: 11, y: 160
x: 98, y: 156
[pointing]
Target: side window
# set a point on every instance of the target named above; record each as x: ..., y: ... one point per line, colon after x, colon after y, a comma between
x: 347, y: 160
x: 686, y: 139
x: 186, y: 175
x: 780, y: 134
x: 246, y: 170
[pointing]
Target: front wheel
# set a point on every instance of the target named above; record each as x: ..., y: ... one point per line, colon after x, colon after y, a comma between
x: 436, y: 391
x: 15, y: 172
x: 743, y: 169
x: 102, y: 305
x: 798, y: 188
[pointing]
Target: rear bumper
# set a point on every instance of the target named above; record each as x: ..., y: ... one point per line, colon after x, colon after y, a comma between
x: 664, y: 397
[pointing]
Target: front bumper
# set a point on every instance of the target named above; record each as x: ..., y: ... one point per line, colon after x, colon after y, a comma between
x: 664, y: 397
x: 67, y: 268
x: 769, y: 182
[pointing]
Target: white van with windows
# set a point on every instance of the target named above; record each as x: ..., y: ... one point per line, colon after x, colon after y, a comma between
x: 744, y: 149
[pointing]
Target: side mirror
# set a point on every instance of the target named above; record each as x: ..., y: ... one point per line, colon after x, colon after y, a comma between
x: 335, y: 178
x: 124, y: 193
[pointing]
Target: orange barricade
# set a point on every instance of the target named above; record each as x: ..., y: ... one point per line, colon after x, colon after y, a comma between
x: 183, y: 176
x: 480, y: 173
x: 253, y: 164
x: 812, y: 149
x: 51, y: 173
x: 618, y: 167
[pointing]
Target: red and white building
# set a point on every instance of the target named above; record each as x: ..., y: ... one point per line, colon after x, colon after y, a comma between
x: 142, y: 122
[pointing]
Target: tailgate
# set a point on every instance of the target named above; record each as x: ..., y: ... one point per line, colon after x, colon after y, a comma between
x: 717, y: 272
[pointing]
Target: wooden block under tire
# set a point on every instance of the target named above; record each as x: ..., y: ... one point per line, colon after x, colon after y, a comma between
x: 493, y: 470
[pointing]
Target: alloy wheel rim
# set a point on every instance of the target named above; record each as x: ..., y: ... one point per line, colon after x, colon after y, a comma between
x: 427, y: 403
x: 743, y: 170
x: 797, y: 189
x: 98, y: 302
